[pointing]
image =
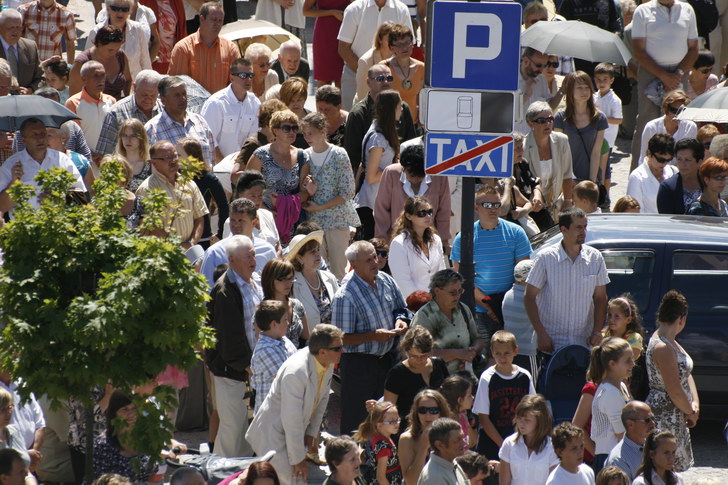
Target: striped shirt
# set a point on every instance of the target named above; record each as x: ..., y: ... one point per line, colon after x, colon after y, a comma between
x: 515, y: 320
x: 606, y: 421
x: 163, y: 127
x: 566, y: 303
x: 359, y: 308
x: 268, y: 356
x: 252, y: 294
x: 495, y: 253
x: 627, y: 456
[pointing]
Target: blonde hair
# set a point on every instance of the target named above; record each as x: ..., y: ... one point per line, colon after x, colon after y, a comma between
x: 128, y: 171
x: 6, y: 399
x: 535, y: 405
x: 369, y: 426
x: 293, y: 88
x: 139, y: 133
x: 611, y: 349
x: 503, y: 337
x: 284, y: 116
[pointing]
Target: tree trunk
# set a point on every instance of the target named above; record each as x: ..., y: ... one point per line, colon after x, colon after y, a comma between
x: 90, y: 432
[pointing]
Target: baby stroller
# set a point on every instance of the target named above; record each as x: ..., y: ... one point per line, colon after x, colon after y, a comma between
x: 562, y: 379
x: 215, y: 468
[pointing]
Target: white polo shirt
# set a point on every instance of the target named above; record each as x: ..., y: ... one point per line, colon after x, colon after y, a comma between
x: 362, y: 18
x: 231, y: 121
x: 667, y: 31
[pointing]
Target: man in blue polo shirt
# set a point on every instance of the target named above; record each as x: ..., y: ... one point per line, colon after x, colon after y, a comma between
x: 497, y: 246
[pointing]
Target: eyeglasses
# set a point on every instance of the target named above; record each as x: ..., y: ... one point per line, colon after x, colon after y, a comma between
x: 673, y: 109
x: 662, y: 160
x: 244, y: 75
x: 289, y: 128
x: 543, y: 120
x: 382, y: 254
x: 290, y: 279
x: 168, y: 159
x: 382, y: 78
x: 706, y: 70
x: 720, y: 177
x: 396, y: 421
x: 647, y: 420
x: 418, y: 356
x: 336, y: 349
x: 489, y: 205
x: 537, y: 65
x: 117, y: 8
x: 428, y: 410
x: 553, y: 64
x: 424, y: 213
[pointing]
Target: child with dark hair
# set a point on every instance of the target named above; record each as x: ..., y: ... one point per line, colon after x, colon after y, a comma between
x: 568, y: 442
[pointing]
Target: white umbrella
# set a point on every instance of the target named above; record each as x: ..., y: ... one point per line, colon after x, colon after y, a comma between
x: 710, y: 106
x: 245, y: 32
x: 576, y: 39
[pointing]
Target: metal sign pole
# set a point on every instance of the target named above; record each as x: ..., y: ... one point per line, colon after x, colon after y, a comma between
x: 467, y: 216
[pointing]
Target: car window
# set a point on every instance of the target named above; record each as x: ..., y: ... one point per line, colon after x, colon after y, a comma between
x: 630, y: 271
x: 702, y: 277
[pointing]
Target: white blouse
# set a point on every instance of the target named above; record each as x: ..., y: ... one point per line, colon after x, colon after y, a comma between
x: 528, y: 469
x: 411, y: 269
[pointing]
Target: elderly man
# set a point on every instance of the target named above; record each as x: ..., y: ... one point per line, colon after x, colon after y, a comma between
x: 12, y: 467
x: 446, y: 442
x: 43, y: 20
x: 232, y: 113
x: 231, y: 309
x: 204, y: 55
x: 638, y: 422
x: 290, y: 63
x: 91, y: 104
x: 665, y: 42
x: 371, y: 311
x: 187, y: 220
x: 141, y: 104
x: 361, y: 20
x: 176, y: 121
x: 243, y: 219
x: 532, y: 86
x: 36, y: 156
x: 21, y: 54
x: 566, y: 286
x: 379, y: 78
x: 290, y: 417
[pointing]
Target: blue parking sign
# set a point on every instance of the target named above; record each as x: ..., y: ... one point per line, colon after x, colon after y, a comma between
x: 474, y: 45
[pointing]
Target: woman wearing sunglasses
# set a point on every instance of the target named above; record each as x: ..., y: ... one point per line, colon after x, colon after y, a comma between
x: 667, y: 124
x: 713, y: 173
x: 284, y: 167
x: 265, y: 77
x: 416, y: 250
x: 701, y: 78
x: 644, y: 181
x: 106, y: 49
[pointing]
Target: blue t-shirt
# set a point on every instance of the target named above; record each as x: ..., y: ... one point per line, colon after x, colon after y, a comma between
x: 495, y: 253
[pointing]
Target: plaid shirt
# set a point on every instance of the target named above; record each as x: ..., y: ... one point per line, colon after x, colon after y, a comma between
x: 268, y: 356
x: 120, y: 112
x: 162, y: 127
x: 359, y: 308
x: 47, y: 27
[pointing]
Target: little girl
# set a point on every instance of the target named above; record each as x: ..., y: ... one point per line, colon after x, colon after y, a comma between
x: 527, y: 456
x: 612, y: 360
x: 624, y: 321
x: 458, y: 392
x: 382, y: 465
x: 56, y: 75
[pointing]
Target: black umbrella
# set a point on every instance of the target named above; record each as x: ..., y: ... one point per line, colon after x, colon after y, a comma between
x: 14, y: 110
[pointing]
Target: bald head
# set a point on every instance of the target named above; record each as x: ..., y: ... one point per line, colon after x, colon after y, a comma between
x: 289, y: 55
x: 638, y: 421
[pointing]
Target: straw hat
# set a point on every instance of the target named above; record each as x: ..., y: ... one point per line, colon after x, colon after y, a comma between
x: 294, y: 247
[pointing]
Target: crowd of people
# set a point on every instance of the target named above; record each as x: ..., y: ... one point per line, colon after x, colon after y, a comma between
x: 330, y: 253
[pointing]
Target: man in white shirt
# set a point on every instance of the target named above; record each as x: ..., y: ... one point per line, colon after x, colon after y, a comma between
x: 232, y: 113
x: 665, y: 42
x: 532, y: 86
x: 26, y: 164
x: 361, y: 20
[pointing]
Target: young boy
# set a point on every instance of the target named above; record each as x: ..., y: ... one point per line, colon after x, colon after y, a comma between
x: 586, y: 197
x: 568, y: 442
x: 476, y: 467
x: 500, y: 389
x: 272, y: 349
x: 609, y: 104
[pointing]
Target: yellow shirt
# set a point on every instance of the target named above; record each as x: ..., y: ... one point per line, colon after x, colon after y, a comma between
x: 321, y: 373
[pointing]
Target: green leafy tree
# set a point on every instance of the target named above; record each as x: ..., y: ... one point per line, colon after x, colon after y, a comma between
x: 86, y: 302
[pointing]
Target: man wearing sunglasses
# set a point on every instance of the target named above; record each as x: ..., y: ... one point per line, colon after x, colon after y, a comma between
x: 533, y: 87
x: 638, y: 422
x: 232, y: 112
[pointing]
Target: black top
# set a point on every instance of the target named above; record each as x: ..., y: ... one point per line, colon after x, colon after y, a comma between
x: 302, y: 72
x: 210, y: 187
x: 406, y: 384
x: 670, y: 198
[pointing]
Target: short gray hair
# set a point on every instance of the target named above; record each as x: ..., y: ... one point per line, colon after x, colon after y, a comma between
x: 147, y: 76
x: 167, y: 83
x: 322, y: 336
x: 355, y: 249
x: 5, y: 70
x: 66, y: 128
x: 443, y: 278
x: 10, y: 13
x: 233, y: 244
x: 257, y: 50
x: 89, y: 66
x: 719, y: 147
x: 536, y: 108
x: 289, y: 44
x: 440, y: 430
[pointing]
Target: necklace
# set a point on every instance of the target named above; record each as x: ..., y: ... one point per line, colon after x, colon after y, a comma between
x: 318, y: 287
x: 406, y: 83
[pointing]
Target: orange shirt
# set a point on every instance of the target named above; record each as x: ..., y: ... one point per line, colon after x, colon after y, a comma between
x: 210, y: 66
x: 411, y: 93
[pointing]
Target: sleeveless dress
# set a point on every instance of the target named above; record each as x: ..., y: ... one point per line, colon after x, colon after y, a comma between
x: 667, y: 415
x: 328, y: 63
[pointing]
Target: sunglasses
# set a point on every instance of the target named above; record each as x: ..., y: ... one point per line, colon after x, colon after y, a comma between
x: 673, y: 109
x: 424, y: 213
x: 382, y: 78
x: 403, y: 45
x: 553, y: 64
x: 537, y: 65
x: 489, y: 205
x: 336, y: 349
x: 382, y: 254
x: 543, y: 121
x: 290, y: 279
x: 648, y: 420
x: 289, y: 128
x: 117, y: 8
x: 662, y: 160
x: 244, y: 75
x: 428, y: 410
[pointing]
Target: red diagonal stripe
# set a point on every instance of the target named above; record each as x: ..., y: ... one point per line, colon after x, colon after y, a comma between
x: 469, y: 155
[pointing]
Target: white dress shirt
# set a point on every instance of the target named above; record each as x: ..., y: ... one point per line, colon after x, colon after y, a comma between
x: 411, y: 269
x: 527, y: 468
x: 362, y: 18
x: 231, y: 120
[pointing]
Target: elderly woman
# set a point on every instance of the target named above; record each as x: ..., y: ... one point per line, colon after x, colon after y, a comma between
x: 312, y: 286
x: 277, y: 279
x: 549, y: 157
x: 328, y: 103
x: 644, y: 181
x: 285, y: 168
x: 677, y: 193
x: 343, y: 456
x: 136, y: 41
x: 667, y: 124
x: 419, y: 370
x: 106, y: 49
x: 408, y: 73
x: 264, y: 77
x: 416, y: 249
x: 10, y: 436
x: 331, y: 189
x: 453, y: 328
x: 379, y: 52
x: 713, y: 173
